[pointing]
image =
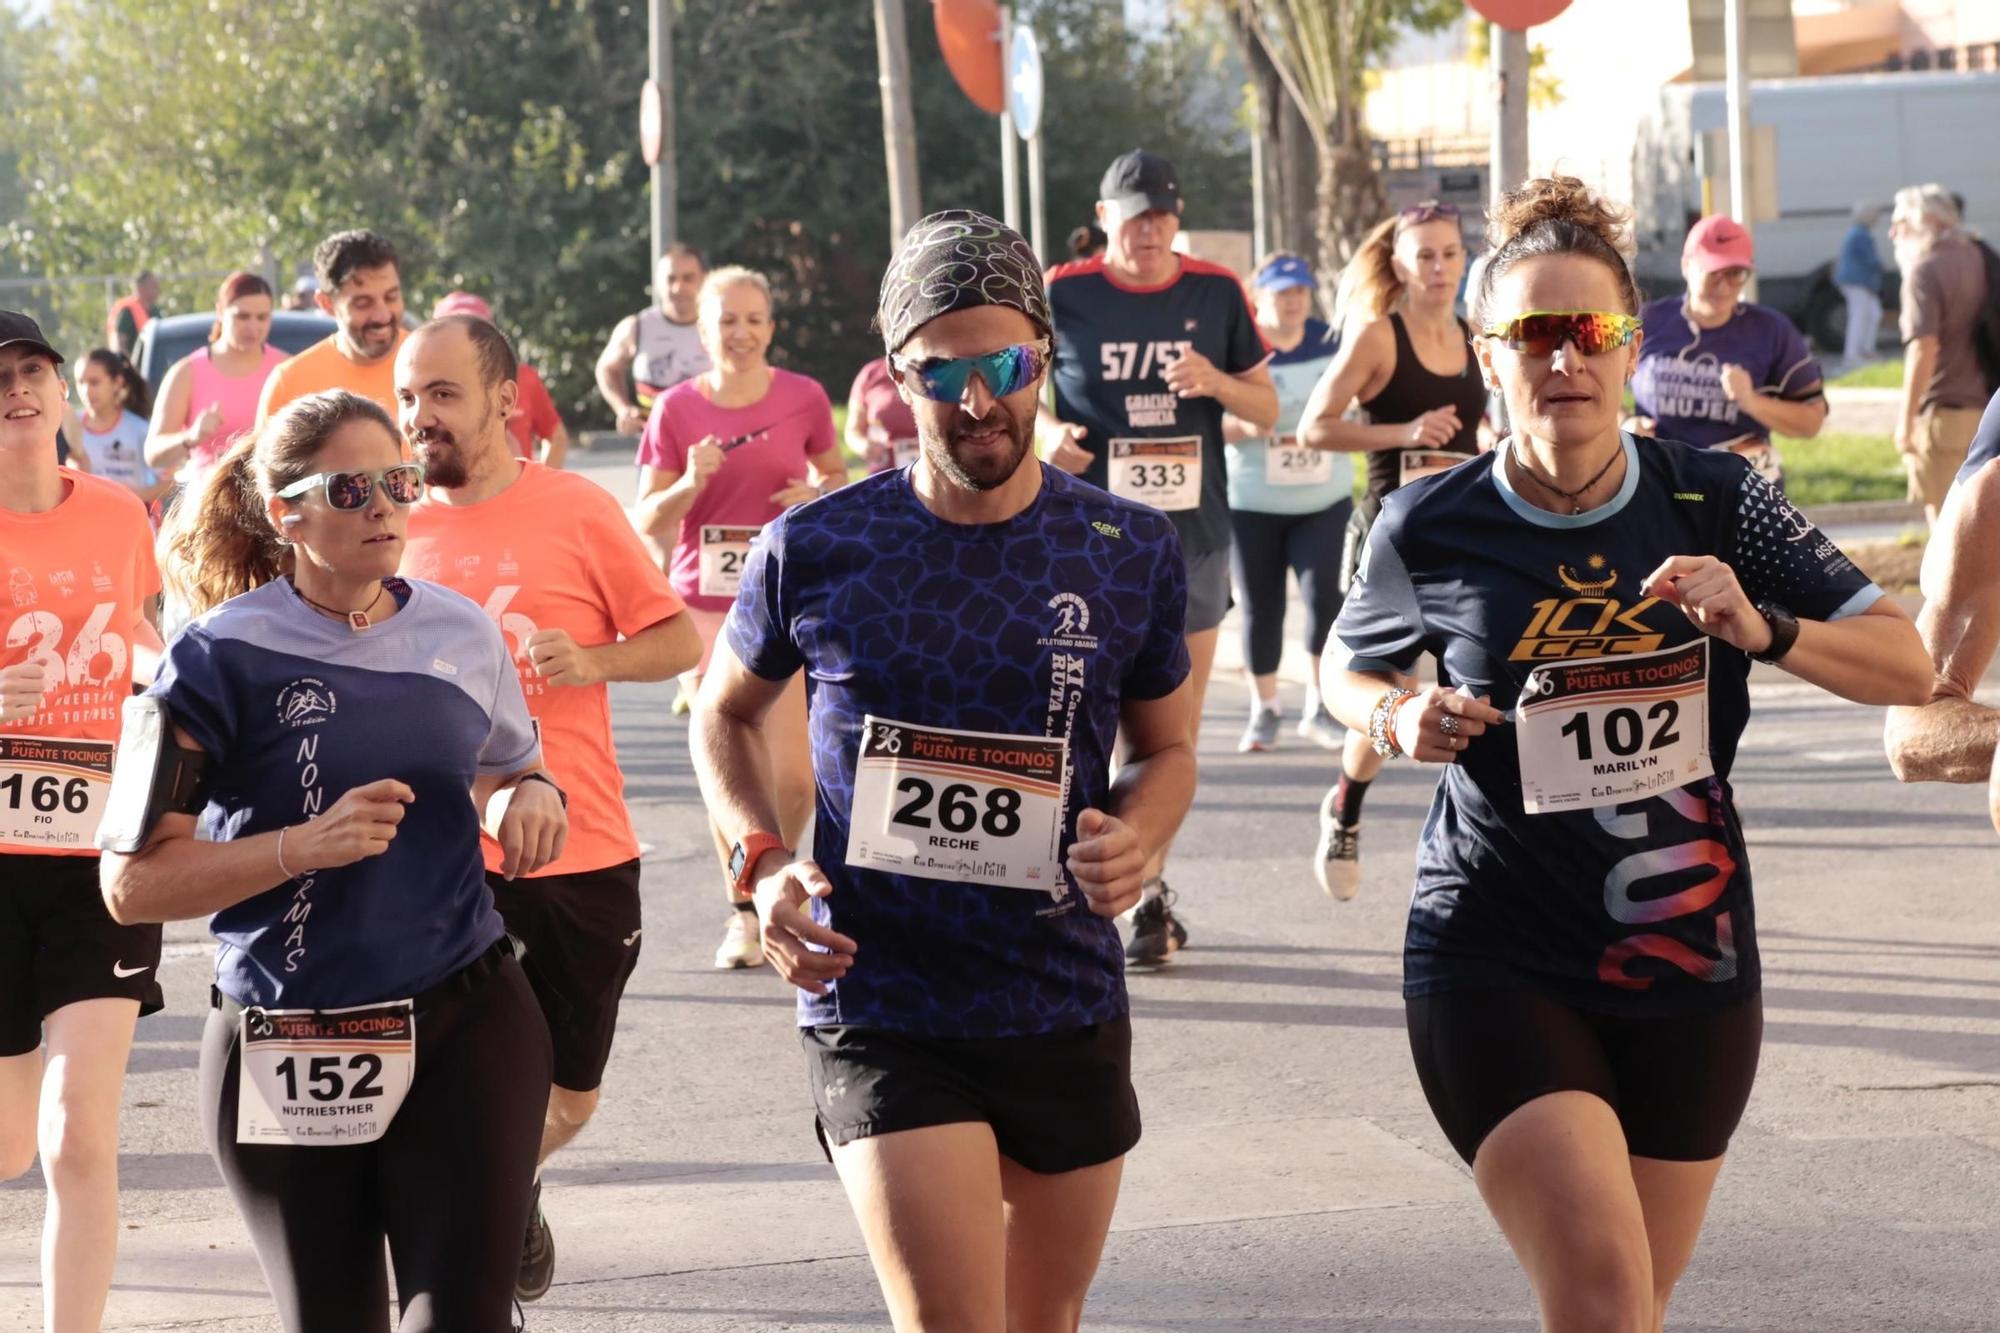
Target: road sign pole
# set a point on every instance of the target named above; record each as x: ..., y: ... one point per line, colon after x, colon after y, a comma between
x: 1010, y: 162
x: 1038, y: 213
x: 660, y: 66
x: 899, y: 122
x: 1509, y: 162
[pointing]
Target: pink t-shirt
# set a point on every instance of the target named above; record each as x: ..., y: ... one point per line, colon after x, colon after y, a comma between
x: 790, y: 423
x: 237, y: 396
x: 892, y: 426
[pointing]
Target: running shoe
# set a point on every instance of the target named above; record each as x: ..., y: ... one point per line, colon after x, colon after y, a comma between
x: 1261, y: 734
x: 741, y: 945
x: 538, y: 1253
x: 1320, y: 728
x: 1337, y: 866
x: 1156, y: 934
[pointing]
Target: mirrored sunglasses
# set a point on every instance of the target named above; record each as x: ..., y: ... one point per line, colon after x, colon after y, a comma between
x: 1009, y: 370
x: 1541, y: 332
x: 346, y: 491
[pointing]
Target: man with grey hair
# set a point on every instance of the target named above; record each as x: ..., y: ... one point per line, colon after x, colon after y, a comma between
x: 1944, y: 294
x: 1858, y: 274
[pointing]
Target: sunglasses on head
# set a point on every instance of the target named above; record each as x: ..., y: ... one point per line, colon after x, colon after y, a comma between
x: 1428, y: 211
x: 347, y: 491
x: 1009, y: 370
x: 1541, y: 332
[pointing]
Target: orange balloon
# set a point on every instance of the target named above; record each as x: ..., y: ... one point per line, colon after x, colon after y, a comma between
x: 968, y: 33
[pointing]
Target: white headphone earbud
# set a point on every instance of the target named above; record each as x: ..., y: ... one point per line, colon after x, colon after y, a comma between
x: 291, y: 520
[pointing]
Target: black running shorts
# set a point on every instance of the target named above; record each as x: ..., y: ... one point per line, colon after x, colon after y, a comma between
x: 580, y: 938
x: 59, y: 945
x: 1057, y: 1101
x: 1678, y: 1085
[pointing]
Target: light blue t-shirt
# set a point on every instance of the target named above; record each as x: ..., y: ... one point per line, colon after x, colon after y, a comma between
x: 1251, y: 487
x: 119, y: 454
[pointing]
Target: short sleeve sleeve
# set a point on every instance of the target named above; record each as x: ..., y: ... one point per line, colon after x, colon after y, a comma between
x: 1246, y: 345
x: 512, y: 741
x: 659, y: 444
x: 543, y: 419
x: 1779, y: 556
x: 1162, y: 663
x: 1795, y: 372
x: 627, y: 579
x: 1922, y: 313
x: 759, y: 624
x: 1381, y: 624
x: 194, y: 685
x: 822, y: 436
x: 1985, y: 441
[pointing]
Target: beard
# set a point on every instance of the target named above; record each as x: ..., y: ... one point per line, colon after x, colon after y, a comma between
x: 446, y: 462
x: 951, y: 456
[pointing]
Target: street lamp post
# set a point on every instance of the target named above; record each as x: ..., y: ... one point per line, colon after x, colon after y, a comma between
x: 660, y: 66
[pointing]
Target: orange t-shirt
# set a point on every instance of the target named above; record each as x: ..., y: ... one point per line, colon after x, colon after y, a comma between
x: 554, y: 551
x: 78, y: 579
x: 323, y: 366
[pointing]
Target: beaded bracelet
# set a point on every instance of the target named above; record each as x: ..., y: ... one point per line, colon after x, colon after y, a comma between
x: 1382, y: 721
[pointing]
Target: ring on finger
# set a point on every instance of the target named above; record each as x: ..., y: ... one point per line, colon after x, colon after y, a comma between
x: 1448, y: 724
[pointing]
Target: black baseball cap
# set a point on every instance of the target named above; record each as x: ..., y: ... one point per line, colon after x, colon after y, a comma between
x: 1140, y: 180
x: 16, y: 328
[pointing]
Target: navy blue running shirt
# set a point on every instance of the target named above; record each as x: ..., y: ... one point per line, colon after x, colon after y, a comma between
x: 894, y: 612
x: 1985, y: 445
x: 295, y: 710
x: 1643, y: 908
x: 1113, y: 346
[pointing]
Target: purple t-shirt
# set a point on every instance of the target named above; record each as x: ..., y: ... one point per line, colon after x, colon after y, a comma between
x: 1678, y: 382
x: 790, y: 423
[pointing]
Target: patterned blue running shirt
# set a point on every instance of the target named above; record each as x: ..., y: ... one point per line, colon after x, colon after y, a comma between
x: 296, y: 709
x: 1642, y: 908
x: 1037, y: 626
x: 1985, y: 445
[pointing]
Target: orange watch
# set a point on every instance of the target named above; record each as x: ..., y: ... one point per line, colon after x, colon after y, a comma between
x: 743, y: 858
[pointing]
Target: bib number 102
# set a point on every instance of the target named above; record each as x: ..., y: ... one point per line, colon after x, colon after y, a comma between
x: 1623, y: 731
x: 956, y: 811
x: 325, y: 1080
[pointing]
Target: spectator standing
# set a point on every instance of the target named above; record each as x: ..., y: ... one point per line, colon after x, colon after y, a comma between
x: 1944, y: 387
x: 1858, y: 274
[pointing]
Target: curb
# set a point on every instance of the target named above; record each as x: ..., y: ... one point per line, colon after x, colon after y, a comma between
x: 607, y: 440
x: 1849, y: 513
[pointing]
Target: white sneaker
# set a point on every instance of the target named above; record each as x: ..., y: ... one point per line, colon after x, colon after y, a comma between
x: 741, y: 946
x: 1337, y: 864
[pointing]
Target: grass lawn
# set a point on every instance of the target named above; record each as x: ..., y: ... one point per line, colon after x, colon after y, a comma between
x: 1835, y: 468
x: 1874, y: 375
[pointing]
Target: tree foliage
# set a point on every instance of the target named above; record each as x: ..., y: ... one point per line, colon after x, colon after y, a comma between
x: 496, y: 145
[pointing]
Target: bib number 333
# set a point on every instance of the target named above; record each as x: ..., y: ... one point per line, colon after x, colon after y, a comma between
x: 1605, y: 730
x: 320, y: 1078
x: 968, y: 806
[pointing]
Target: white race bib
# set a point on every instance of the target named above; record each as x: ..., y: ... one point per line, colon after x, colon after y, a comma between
x: 972, y: 807
x: 1414, y: 463
x: 724, y: 552
x: 323, y: 1078
x: 905, y: 451
x: 1289, y: 463
x: 52, y: 791
x: 1606, y: 730
x: 1762, y: 456
x: 1163, y: 473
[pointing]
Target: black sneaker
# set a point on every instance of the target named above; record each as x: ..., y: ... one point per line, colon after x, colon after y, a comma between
x: 538, y: 1254
x: 1156, y: 935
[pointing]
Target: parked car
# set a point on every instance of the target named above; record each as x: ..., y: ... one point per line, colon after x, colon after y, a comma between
x: 166, y: 340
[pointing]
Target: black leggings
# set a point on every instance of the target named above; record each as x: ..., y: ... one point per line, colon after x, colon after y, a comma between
x: 1266, y: 546
x: 447, y: 1186
x: 1678, y: 1085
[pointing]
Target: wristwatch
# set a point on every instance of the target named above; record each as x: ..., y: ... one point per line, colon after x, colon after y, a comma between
x: 1784, y: 632
x: 744, y: 856
x: 539, y: 776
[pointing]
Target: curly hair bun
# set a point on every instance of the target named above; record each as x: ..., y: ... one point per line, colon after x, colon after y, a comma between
x: 1560, y: 199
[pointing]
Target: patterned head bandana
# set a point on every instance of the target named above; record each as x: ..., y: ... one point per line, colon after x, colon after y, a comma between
x: 956, y: 260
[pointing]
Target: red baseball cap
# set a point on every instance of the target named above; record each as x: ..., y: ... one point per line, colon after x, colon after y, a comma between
x: 462, y: 303
x: 1718, y: 242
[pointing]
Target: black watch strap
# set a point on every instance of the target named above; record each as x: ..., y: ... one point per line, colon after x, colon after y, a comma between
x: 1784, y: 632
x: 539, y: 776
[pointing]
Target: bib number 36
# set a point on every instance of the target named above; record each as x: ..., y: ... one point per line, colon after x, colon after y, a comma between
x: 324, y: 1077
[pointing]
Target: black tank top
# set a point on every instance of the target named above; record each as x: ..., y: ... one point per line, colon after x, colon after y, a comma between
x: 1412, y: 391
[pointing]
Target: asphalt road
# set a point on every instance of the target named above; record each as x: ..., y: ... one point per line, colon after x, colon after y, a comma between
x: 1290, y: 1177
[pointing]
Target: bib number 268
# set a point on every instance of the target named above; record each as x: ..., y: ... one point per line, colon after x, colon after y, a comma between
x: 956, y: 808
